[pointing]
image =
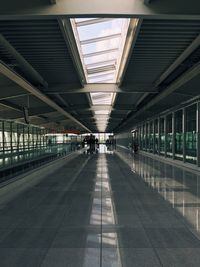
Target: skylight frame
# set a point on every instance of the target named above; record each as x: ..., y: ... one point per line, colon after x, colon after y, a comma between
x: 102, y: 98
x: 86, y: 22
x: 100, y: 53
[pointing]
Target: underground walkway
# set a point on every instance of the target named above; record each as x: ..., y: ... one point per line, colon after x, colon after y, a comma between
x: 96, y: 211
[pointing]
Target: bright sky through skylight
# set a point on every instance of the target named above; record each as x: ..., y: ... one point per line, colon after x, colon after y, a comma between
x: 101, y: 42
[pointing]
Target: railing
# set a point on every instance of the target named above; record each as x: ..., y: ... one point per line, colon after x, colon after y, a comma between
x: 20, y: 161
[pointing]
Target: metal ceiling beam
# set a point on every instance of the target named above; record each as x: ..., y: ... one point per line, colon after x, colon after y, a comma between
x: 102, y: 75
x: 15, y: 111
x: 55, y: 120
x: 100, y: 39
x: 32, y: 112
x: 25, y: 67
x: 104, y: 88
x: 101, y: 69
x: 194, y: 45
x: 102, y: 52
x: 92, y: 21
x: 104, y: 63
x: 187, y: 52
x: 101, y: 107
x: 139, y: 88
x: 183, y: 79
x: 91, y: 108
x: 171, y: 9
x: 5, y: 95
x: 133, y: 31
x: 117, y: 107
x: 40, y: 111
x: 124, y: 107
x: 34, y: 91
x: 70, y: 34
x: 10, y: 105
x: 70, y: 41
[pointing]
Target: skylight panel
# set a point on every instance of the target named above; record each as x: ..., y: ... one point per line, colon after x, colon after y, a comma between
x: 100, y: 43
x: 102, y: 112
x: 101, y: 52
x: 101, y: 34
x: 93, y: 47
x: 101, y: 98
x: 100, y: 61
x: 96, y: 30
x: 100, y: 77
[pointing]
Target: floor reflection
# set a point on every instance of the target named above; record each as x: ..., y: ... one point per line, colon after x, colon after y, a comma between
x: 94, y: 211
x: 102, y: 213
x: 105, y: 149
x: 179, y: 187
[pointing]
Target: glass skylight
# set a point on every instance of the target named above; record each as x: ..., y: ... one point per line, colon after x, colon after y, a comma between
x: 102, y: 98
x: 102, y: 112
x: 101, y: 42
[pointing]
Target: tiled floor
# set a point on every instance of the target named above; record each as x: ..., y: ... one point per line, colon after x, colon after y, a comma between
x: 99, y: 211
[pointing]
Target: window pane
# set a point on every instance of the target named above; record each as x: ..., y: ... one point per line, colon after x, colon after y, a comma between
x: 102, y: 29
x: 162, y: 136
x: 178, y: 135
x: 191, y: 135
x: 147, y: 137
x: 156, y: 136
x: 144, y: 137
x: 169, y: 135
x: 151, y: 137
x: 1, y: 137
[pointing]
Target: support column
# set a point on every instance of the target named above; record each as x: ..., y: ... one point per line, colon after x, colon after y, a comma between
x: 153, y: 136
x: 18, y: 138
x: 173, y: 135
x: 139, y: 136
x: 146, y: 129
x: 3, y: 138
x: 198, y: 133
x: 23, y: 139
x: 158, y: 136
x: 184, y: 135
x: 28, y: 139
x: 11, y: 137
x: 165, y: 134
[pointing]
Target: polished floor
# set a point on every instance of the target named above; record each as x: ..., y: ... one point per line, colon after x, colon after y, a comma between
x: 104, y: 210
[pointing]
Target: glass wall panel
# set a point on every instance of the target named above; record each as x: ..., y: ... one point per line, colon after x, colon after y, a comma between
x: 178, y: 131
x: 151, y: 137
x: 19, y: 142
x: 162, y: 136
x: 141, y: 137
x: 169, y: 135
x: 7, y: 137
x: 21, y: 137
x: 173, y: 133
x: 156, y: 136
x: 191, y: 135
x: 26, y: 138
x: 1, y: 137
x: 147, y: 137
x: 14, y: 139
x: 135, y: 137
x: 144, y: 137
